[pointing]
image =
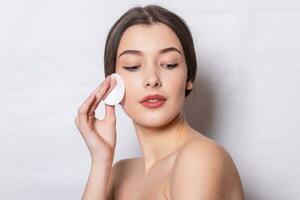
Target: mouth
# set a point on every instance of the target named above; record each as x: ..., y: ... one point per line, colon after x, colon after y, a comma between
x: 153, y: 101
x: 153, y: 98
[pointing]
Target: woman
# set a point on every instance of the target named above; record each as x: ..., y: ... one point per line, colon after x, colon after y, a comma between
x: 152, y: 49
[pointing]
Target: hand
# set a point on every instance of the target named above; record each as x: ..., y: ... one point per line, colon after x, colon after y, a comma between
x: 99, y: 135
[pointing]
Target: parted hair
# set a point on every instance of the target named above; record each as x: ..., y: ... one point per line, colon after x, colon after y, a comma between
x: 150, y: 15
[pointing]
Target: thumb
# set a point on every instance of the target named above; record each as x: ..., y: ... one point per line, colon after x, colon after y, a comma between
x: 110, y: 112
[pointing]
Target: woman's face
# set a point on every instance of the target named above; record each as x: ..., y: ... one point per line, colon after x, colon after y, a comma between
x: 152, y: 73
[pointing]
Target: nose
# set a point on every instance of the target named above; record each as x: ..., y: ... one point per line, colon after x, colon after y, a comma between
x: 152, y: 79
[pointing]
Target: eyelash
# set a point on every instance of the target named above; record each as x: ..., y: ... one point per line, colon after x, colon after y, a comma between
x: 133, y: 68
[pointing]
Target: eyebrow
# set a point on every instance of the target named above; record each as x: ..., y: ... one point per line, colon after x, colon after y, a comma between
x: 139, y: 53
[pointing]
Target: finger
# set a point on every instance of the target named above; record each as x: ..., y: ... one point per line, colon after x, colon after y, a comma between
x: 85, y: 107
x: 101, y: 95
x: 112, y: 84
x: 101, y: 85
x: 104, y: 84
x: 110, y: 112
x: 83, y: 110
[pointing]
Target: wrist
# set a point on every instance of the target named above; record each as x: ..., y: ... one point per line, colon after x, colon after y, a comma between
x: 99, y: 161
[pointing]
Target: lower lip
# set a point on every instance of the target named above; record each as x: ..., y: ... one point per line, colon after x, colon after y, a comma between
x: 153, y: 104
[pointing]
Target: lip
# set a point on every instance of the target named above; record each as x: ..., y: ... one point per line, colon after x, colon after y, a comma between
x: 153, y: 104
x: 153, y: 96
x: 158, y: 104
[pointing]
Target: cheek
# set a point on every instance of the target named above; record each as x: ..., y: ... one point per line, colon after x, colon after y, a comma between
x: 176, y: 84
x: 132, y: 84
x: 132, y: 94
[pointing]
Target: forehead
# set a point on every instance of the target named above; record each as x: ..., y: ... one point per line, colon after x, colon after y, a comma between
x: 149, y: 38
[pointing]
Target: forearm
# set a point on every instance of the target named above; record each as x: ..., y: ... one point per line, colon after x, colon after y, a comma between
x: 98, y: 178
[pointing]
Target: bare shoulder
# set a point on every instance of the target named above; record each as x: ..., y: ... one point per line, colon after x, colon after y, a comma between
x: 204, y: 153
x: 118, y: 171
x: 203, y: 149
x: 125, y: 166
x: 207, y: 170
x: 128, y: 162
x: 124, y: 162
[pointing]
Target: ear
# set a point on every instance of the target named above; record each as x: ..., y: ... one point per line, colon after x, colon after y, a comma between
x: 189, y: 85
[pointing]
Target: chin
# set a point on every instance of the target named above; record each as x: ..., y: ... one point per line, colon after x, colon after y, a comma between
x: 151, y: 122
x: 152, y: 119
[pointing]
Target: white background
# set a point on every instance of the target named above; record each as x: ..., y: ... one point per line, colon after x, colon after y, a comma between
x: 246, y: 94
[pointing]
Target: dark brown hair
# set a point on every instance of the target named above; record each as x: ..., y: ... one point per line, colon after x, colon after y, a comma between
x: 149, y: 15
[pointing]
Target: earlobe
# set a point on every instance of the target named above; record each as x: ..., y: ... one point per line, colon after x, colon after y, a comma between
x: 189, y: 85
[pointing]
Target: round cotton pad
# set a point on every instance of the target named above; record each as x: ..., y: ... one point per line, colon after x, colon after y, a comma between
x: 117, y: 94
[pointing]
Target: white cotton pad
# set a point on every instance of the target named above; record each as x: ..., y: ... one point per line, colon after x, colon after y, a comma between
x: 117, y: 94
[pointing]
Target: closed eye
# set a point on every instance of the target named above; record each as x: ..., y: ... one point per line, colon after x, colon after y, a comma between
x: 132, y: 68
x: 169, y: 66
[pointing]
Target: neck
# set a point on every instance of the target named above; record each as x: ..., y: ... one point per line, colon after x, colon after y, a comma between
x: 159, y: 143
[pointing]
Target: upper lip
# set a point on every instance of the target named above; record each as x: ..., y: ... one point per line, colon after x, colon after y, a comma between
x: 153, y: 96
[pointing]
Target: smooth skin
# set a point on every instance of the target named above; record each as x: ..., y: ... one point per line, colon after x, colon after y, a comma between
x: 178, y: 162
x: 99, y: 135
x: 100, y: 138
